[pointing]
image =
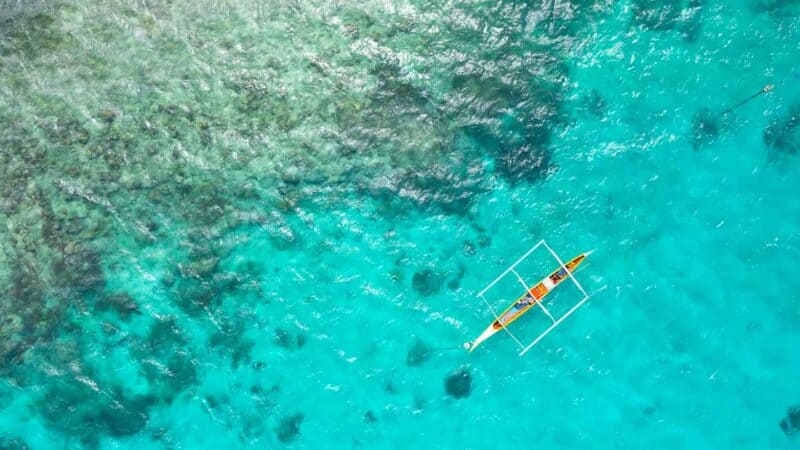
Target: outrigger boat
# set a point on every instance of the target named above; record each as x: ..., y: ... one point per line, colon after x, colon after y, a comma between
x: 532, y: 296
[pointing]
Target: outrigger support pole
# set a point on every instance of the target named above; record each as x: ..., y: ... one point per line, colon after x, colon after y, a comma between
x: 510, y: 268
x: 557, y: 322
x: 572, y: 310
x: 569, y: 272
x: 528, y: 290
x: 497, y: 318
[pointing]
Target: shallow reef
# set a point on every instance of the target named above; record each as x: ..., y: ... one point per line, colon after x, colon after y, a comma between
x: 782, y: 135
x: 418, y: 353
x: 791, y: 423
x: 706, y: 127
x: 778, y: 9
x: 459, y: 383
x: 289, y: 427
x: 13, y: 444
x: 137, y: 131
x: 166, y: 364
x: 78, y: 402
x: 288, y: 340
x: 680, y: 15
x: 369, y: 417
x: 427, y: 282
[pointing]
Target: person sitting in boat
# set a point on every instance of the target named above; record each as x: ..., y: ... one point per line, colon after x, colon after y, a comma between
x: 528, y: 300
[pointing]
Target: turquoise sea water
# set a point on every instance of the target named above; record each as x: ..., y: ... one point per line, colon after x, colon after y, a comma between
x: 263, y: 224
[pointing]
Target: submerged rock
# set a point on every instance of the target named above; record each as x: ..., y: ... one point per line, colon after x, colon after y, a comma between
x: 13, y: 444
x: 469, y: 248
x: 76, y: 408
x: 519, y: 149
x: 80, y: 269
x: 459, y: 384
x: 450, y: 188
x: 122, y: 303
x: 286, y: 339
x: 691, y: 20
x: 108, y: 115
x: 595, y: 104
x: 289, y: 427
x: 791, y: 423
x: 524, y: 162
x: 230, y: 340
x: 417, y: 354
x: 778, y: 9
x: 705, y: 127
x: 427, y: 282
x: 283, y: 338
x: 782, y: 135
x: 166, y: 364
x: 455, y: 282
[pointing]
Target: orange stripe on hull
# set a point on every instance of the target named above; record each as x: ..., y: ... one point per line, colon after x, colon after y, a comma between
x: 539, y: 291
x: 536, y: 294
x: 528, y: 300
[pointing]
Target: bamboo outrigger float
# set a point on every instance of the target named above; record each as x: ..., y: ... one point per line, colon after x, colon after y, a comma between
x: 532, y: 296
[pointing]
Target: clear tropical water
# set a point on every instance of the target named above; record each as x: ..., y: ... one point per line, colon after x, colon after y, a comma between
x: 263, y: 224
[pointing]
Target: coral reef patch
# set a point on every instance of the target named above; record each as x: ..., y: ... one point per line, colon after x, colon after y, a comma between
x: 459, y: 384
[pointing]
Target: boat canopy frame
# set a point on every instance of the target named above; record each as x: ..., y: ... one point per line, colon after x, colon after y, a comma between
x: 556, y: 321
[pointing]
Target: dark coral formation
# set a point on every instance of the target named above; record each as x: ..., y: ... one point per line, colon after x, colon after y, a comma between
x: 13, y: 444
x: 778, y: 9
x: 595, y: 104
x: 230, y: 340
x: 390, y: 388
x: 427, y: 282
x: 706, y: 127
x: 79, y: 403
x: 782, y: 135
x: 166, y: 364
x: 519, y: 151
x: 288, y: 340
x: 418, y: 353
x: 791, y: 423
x: 121, y: 303
x: 469, y: 248
x: 455, y: 281
x: 289, y: 427
x: 370, y: 417
x: 459, y: 383
x: 39, y: 36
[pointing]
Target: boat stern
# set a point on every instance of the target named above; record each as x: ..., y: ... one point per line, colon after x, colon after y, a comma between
x: 487, y: 333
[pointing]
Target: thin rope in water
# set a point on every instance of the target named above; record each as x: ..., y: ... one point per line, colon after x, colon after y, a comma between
x: 445, y: 349
x: 765, y: 90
